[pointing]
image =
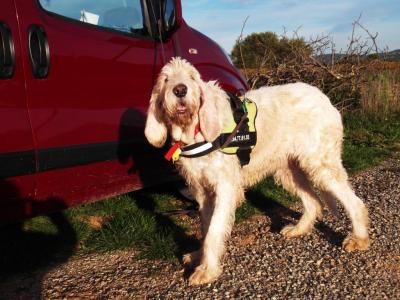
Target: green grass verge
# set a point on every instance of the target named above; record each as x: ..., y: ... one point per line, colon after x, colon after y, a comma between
x: 369, y: 140
x: 138, y: 220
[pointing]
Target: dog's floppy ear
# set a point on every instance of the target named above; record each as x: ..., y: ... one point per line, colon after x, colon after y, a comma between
x: 208, y: 114
x: 155, y: 130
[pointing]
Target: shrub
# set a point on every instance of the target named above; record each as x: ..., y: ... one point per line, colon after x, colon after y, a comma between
x: 265, y: 49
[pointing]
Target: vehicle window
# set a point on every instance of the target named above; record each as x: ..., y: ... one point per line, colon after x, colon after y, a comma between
x: 122, y: 15
x: 169, y: 15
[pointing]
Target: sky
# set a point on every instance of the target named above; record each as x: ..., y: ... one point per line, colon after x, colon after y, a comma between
x: 222, y: 20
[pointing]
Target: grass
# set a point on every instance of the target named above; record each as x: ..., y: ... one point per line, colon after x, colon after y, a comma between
x: 381, y: 92
x: 369, y: 140
x: 138, y: 220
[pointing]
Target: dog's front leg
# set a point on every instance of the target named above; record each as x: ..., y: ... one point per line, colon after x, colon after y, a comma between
x: 218, y: 225
x: 205, y: 199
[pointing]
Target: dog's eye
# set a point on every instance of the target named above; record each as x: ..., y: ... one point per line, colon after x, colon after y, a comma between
x: 192, y: 77
x: 166, y: 80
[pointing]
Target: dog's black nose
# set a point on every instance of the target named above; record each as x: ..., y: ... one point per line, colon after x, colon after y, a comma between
x: 180, y: 90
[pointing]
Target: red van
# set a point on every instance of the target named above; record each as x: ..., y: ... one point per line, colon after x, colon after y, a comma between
x: 75, y: 80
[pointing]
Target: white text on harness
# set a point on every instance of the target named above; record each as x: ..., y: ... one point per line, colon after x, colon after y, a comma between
x: 241, y: 138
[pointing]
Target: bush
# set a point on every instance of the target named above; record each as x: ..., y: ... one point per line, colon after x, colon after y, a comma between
x: 265, y: 49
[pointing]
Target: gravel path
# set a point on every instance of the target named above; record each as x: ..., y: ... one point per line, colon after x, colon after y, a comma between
x: 260, y: 263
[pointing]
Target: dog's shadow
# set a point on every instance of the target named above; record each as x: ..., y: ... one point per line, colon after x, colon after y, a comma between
x: 280, y: 216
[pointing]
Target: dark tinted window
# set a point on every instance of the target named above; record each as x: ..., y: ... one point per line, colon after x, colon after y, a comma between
x: 169, y: 14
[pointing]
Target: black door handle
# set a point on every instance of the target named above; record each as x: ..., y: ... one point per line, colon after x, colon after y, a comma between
x: 39, y: 51
x: 7, y: 52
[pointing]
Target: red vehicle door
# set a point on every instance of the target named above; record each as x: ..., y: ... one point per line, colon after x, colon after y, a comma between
x: 91, y: 65
x: 17, y: 156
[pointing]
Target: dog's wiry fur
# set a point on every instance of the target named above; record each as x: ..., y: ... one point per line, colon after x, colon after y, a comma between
x: 299, y: 142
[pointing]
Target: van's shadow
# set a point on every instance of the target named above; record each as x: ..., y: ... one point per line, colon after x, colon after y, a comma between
x: 32, y: 253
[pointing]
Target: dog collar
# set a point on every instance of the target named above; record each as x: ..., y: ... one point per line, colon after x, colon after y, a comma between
x: 194, y: 150
x: 177, y: 149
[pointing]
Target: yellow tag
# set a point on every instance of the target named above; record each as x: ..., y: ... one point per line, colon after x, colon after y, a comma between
x: 176, y: 155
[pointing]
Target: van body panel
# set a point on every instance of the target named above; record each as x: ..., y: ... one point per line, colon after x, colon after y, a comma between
x: 82, y: 122
x: 17, y: 154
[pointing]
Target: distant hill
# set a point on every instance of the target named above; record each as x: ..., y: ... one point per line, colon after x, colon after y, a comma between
x: 392, y: 55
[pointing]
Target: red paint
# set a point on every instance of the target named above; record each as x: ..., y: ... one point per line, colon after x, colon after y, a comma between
x: 15, y: 130
x: 97, y: 91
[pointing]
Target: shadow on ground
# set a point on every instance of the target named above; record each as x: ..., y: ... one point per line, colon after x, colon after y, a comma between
x: 184, y: 243
x: 281, y: 216
x: 25, y: 252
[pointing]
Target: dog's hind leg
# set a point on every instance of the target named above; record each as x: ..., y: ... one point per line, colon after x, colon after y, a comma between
x: 325, y: 169
x: 331, y: 177
x: 356, y: 210
x: 294, y: 181
x: 220, y: 224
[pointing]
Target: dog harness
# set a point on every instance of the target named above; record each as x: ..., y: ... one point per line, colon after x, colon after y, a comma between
x: 238, y: 137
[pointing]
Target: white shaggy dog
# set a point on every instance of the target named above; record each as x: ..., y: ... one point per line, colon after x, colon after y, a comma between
x: 299, y: 142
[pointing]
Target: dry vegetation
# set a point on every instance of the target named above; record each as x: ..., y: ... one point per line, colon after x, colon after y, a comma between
x: 358, y: 78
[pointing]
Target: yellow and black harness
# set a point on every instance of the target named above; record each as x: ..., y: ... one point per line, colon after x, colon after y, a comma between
x: 238, y: 137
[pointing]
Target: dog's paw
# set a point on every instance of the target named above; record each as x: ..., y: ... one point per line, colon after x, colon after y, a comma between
x: 352, y: 243
x: 203, y: 274
x: 192, y: 259
x: 292, y: 231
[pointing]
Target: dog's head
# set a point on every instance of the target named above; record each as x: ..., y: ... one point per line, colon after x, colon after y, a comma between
x: 179, y: 98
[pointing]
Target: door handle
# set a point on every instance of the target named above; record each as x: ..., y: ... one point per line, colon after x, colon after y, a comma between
x: 7, y: 52
x: 39, y: 51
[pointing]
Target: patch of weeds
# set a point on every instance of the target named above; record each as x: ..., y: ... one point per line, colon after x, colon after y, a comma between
x: 369, y: 140
x: 360, y: 157
x: 138, y: 222
x: 140, y: 230
x: 41, y: 224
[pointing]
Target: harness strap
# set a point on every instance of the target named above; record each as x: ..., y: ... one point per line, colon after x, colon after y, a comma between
x: 198, y: 149
x: 240, y: 114
x: 203, y: 148
x: 235, y: 130
x: 244, y: 156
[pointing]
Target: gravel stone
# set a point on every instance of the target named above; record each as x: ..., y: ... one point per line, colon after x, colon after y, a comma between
x: 260, y: 263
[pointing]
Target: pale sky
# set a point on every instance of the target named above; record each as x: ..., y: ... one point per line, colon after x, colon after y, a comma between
x: 222, y: 20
